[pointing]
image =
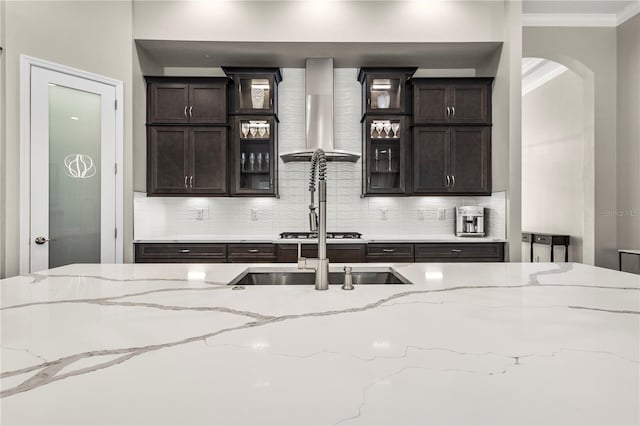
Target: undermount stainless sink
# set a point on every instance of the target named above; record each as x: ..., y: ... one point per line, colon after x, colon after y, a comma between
x: 308, y: 278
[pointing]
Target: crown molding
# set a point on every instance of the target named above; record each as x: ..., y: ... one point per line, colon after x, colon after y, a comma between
x: 628, y: 12
x: 569, y: 20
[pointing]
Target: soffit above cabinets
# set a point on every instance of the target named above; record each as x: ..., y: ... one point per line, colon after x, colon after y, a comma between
x: 482, y: 56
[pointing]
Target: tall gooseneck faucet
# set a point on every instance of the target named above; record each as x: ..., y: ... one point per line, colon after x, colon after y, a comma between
x: 318, y: 221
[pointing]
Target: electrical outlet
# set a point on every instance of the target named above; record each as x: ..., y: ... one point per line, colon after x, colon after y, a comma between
x: 254, y: 214
x: 200, y: 214
x: 442, y: 214
x: 421, y: 214
x: 384, y: 214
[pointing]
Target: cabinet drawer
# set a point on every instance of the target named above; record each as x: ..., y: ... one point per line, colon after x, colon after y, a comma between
x: 472, y: 252
x: 380, y: 252
x: 180, y: 253
x: 542, y: 239
x: 526, y: 238
x: 251, y: 253
x: 337, y: 253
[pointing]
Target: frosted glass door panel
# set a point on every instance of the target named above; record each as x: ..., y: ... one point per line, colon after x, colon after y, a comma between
x: 74, y: 176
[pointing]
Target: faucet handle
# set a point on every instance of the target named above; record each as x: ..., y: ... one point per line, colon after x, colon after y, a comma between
x: 313, y: 220
x: 348, y: 279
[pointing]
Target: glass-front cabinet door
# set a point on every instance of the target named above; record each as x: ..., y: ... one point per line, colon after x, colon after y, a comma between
x: 254, y: 90
x: 385, y: 152
x: 254, y: 152
x: 385, y: 90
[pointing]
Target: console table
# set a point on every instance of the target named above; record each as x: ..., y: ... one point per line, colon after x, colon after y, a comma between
x: 629, y: 260
x: 549, y: 240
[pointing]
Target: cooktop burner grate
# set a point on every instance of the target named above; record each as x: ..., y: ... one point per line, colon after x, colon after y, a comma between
x: 311, y: 235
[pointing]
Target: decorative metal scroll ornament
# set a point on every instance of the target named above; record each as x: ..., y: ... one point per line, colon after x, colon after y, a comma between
x: 79, y: 166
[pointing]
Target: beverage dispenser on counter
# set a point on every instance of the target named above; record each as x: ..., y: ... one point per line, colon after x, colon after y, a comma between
x: 470, y: 221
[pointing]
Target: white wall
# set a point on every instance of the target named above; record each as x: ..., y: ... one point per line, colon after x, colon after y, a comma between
x: 629, y: 134
x: 2, y: 140
x: 94, y: 36
x: 591, y: 53
x: 553, y: 160
x: 322, y: 21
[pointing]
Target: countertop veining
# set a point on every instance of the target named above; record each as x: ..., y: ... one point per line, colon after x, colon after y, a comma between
x: 467, y: 343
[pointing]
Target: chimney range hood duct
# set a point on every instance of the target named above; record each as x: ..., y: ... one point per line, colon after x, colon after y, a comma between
x: 319, y: 114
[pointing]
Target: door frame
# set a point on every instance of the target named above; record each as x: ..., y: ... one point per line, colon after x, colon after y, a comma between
x: 26, y: 64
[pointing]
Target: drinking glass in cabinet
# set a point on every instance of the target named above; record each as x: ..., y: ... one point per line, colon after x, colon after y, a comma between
x: 259, y: 158
x: 395, y: 127
x: 244, y: 127
x: 266, y: 160
x: 253, y: 129
x: 252, y: 161
x: 387, y: 128
x: 243, y: 159
x: 379, y: 127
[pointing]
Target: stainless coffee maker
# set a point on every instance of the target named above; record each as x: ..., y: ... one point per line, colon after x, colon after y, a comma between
x: 470, y: 221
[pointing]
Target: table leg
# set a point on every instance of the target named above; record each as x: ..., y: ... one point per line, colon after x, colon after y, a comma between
x: 551, y: 252
x: 531, y: 249
x: 566, y: 253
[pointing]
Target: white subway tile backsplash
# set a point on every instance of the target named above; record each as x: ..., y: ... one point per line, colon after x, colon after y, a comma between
x: 157, y: 217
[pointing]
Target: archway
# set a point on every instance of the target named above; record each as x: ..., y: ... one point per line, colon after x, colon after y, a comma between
x: 558, y: 173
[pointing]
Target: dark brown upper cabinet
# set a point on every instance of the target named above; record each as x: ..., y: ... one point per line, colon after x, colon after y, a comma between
x: 254, y: 90
x: 384, y: 159
x: 186, y: 160
x: 192, y: 100
x: 254, y: 159
x: 452, y: 160
x: 452, y: 101
x: 385, y: 90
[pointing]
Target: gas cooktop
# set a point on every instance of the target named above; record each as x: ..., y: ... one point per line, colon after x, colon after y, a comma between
x: 308, y: 235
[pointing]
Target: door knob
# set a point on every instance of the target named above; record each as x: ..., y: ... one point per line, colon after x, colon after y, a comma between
x: 41, y: 240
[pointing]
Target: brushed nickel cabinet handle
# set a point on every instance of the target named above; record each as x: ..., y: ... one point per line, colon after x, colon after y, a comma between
x: 386, y: 250
x: 453, y: 180
x: 453, y: 111
x: 448, y: 112
x: 253, y: 250
x: 185, y: 111
x: 186, y: 182
x: 448, y: 181
x: 191, y: 182
x: 191, y: 111
x: 456, y: 251
x: 185, y: 251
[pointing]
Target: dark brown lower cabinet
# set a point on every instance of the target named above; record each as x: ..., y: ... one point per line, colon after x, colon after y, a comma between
x: 459, y: 252
x: 383, y: 252
x: 251, y: 253
x: 338, y: 253
x: 180, y: 253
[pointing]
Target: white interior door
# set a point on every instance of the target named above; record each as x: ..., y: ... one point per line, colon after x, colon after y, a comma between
x: 73, y: 176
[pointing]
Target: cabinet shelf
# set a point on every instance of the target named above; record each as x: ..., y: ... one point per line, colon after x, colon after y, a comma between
x: 254, y: 172
x: 384, y: 139
x: 255, y: 139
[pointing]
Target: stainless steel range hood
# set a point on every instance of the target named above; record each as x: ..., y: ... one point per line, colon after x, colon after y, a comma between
x: 319, y: 114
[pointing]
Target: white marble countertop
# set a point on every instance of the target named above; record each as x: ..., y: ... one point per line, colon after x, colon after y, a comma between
x: 186, y: 239
x: 482, y: 343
